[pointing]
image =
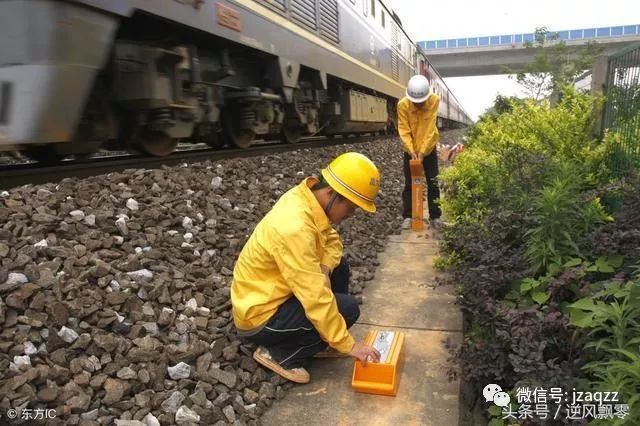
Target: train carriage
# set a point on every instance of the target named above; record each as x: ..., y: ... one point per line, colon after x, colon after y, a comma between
x: 76, y: 74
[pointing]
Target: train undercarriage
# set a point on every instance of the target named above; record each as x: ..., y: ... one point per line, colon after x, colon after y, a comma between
x: 161, y: 84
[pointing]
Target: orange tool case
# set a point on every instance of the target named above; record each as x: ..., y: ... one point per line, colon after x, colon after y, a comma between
x: 382, y: 377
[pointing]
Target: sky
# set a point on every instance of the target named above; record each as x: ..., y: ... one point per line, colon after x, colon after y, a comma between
x: 431, y: 20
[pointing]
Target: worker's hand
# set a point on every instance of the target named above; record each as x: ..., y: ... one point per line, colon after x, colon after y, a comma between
x: 414, y: 156
x: 420, y: 156
x: 365, y: 353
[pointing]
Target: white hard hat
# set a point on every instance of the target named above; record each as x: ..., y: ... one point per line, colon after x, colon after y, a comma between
x: 418, y: 88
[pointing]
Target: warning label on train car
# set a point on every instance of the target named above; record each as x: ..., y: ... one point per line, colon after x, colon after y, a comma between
x: 228, y: 17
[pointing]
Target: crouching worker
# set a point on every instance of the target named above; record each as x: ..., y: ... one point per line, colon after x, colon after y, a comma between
x: 290, y: 283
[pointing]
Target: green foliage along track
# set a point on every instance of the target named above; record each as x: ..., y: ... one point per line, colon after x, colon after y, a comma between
x: 543, y: 250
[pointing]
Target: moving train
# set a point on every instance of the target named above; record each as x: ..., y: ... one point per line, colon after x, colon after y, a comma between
x: 78, y: 75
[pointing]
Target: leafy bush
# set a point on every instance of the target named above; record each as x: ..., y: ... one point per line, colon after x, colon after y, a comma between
x: 508, y: 159
x: 538, y: 224
x: 562, y: 217
x: 612, y: 318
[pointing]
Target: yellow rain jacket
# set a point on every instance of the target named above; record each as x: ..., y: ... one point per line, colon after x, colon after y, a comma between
x: 417, y: 125
x: 281, y: 259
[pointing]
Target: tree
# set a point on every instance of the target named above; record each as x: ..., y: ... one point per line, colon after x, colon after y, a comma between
x: 504, y: 104
x: 554, y: 64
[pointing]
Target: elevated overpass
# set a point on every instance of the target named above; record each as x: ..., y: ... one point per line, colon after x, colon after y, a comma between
x: 487, y: 55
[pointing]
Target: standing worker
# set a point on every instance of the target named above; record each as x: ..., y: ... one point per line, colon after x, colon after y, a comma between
x: 290, y: 284
x: 417, y: 119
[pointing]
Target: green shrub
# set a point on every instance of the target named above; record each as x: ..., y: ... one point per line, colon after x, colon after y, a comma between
x: 611, y: 318
x: 510, y: 157
x: 530, y: 201
x: 563, y: 215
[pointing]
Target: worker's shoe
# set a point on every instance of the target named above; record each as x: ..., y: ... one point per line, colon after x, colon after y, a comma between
x: 330, y: 353
x: 264, y: 358
x: 406, y: 223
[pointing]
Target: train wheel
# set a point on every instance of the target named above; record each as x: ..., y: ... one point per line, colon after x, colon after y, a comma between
x: 291, y: 132
x: 242, y: 138
x: 156, y: 143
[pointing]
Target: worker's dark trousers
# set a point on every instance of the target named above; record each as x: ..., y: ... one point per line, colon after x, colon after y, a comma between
x: 291, y: 338
x: 430, y: 164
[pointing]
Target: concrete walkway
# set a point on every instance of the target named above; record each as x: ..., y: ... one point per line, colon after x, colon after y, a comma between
x: 401, y: 297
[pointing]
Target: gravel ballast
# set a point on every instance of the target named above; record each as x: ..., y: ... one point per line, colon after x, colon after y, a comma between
x: 114, y: 290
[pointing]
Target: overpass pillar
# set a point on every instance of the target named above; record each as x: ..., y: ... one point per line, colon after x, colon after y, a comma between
x: 599, y: 75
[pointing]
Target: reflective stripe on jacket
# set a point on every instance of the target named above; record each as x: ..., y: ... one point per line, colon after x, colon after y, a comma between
x: 417, y: 125
x: 282, y: 258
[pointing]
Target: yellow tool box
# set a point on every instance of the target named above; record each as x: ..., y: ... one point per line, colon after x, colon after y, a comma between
x: 382, y: 377
x: 417, y: 194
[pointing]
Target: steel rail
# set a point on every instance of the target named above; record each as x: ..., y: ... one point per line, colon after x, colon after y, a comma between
x: 33, y: 173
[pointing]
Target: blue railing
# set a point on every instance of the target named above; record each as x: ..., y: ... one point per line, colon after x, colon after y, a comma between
x: 586, y: 33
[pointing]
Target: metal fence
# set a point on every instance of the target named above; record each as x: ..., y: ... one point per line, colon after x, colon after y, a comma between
x: 622, y: 109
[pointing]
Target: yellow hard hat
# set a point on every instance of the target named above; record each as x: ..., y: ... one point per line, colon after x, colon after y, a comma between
x: 356, y: 178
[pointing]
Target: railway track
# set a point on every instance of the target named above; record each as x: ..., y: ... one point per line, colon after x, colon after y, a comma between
x: 12, y: 175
